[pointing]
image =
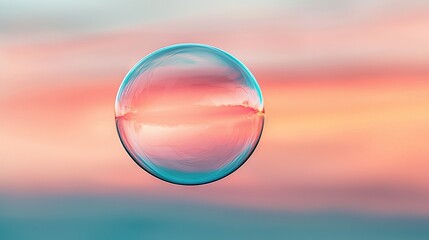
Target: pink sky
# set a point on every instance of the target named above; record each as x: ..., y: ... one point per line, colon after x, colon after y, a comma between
x: 347, y: 120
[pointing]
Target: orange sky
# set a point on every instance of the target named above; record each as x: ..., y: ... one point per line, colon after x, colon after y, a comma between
x: 337, y: 142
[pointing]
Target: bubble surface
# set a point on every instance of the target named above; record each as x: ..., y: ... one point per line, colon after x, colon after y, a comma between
x: 189, y: 113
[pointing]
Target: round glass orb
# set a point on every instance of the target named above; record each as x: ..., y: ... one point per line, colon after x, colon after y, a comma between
x: 189, y: 113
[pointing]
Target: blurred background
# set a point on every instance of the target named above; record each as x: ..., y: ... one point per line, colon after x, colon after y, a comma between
x: 344, y: 153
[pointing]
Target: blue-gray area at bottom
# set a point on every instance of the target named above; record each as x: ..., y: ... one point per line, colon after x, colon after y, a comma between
x: 141, y: 218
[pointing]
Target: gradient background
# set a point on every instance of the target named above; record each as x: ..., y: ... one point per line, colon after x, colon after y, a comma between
x: 344, y: 153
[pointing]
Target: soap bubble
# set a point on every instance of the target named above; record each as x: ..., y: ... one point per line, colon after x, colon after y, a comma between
x: 189, y: 114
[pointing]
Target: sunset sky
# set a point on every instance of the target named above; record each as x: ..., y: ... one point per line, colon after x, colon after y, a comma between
x: 345, y: 86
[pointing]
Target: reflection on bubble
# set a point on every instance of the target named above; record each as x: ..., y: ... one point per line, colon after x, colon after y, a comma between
x: 189, y: 113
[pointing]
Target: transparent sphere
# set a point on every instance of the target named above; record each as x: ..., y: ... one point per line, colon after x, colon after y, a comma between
x: 189, y: 114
